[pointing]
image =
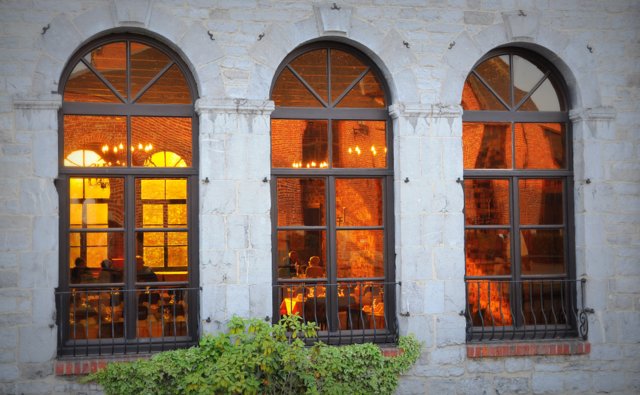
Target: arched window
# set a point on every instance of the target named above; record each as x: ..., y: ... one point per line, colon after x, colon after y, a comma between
x: 332, y: 187
x: 518, y: 178
x: 128, y: 200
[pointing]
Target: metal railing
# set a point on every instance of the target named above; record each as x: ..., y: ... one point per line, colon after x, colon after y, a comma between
x: 527, y: 309
x: 99, y: 321
x: 353, y: 311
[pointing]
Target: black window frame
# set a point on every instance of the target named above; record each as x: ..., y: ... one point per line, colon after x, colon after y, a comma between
x: 326, y: 112
x: 129, y: 343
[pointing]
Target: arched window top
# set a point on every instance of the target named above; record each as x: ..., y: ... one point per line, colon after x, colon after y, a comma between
x: 513, y: 80
x: 329, y: 76
x: 126, y: 70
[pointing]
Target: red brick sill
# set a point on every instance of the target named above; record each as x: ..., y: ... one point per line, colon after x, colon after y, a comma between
x: 521, y: 349
x: 85, y: 365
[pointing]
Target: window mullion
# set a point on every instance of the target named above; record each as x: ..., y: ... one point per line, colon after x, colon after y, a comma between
x: 332, y: 264
x: 130, y: 313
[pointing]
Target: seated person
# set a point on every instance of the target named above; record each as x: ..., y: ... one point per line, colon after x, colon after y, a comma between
x: 315, y: 269
x: 108, y: 274
x: 289, y: 266
x: 144, y: 274
x: 81, y: 273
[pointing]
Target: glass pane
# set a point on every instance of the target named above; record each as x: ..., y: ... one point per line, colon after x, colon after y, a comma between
x: 146, y: 63
x: 359, y: 202
x: 162, y: 312
x: 111, y: 61
x: 299, y: 144
x: 361, y: 306
x: 367, y: 93
x: 542, y: 251
x: 104, y: 136
x: 158, y: 250
x: 359, y: 253
x: 345, y: 68
x: 540, y: 145
x: 525, y: 76
x: 152, y: 216
x: 84, y: 86
x: 312, y: 66
x: 486, y: 145
x: 541, y: 201
x: 488, y: 303
x: 90, y: 253
x: 546, y: 302
x: 486, y: 202
x: 296, y: 248
x: 545, y: 98
x: 171, y: 88
x: 161, y: 203
x: 177, y: 215
x: 359, y: 144
x: 96, y: 314
x: 170, y: 137
x: 476, y: 96
x: 495, y: 72
x: 301, y: 201
x: 488, y: 252
x: 290, y: 92
x: 96, y: 204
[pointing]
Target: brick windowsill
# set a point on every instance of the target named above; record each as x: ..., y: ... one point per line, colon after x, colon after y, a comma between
x: 520, y: 349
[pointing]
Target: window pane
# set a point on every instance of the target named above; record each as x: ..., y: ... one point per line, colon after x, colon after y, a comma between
x: 486, y: 145
x: 162, y: 202
x: 177, y: 215
x: 367, y: 93
x: 488, y: 303
x: 359, y: 144
x: 361, y: 306
x: 104, y: 136
x: 84, y: 86
x: 486, y: 202
x: 360, y: 253
x: 359, y: 202
x: 96, y: 203
x: 111, y: 61
x: 146, y: 63
x: 487, y: 252
x: 545, y: 98
x: 301, y: 201
x: 299, y: 144
x: 162, y: 312
x: 92, y: 252
x: 290, y: 92
x: 171, y: 88
x: 542, y: 251
x: 296, y: 248
x: 540, y: 145
x: 96, y: 314
x: 312, y: 66
x: 476, y: 96
x: 525, y: 76
x: 546, y: 302
x: 541, y: 201
x: 170, y: 136
x: 496, y: 73
x: 345, y: 68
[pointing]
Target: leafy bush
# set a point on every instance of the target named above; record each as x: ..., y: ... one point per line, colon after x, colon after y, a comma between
x: 256, y: 357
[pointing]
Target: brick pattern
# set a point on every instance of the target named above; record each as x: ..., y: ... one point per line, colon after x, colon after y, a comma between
x: 520, y: 349
x: 82, y: 366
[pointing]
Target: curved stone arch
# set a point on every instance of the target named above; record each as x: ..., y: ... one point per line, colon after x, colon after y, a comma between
x: 385, y: 49
x: 67, y: 33
x: 554, y: 46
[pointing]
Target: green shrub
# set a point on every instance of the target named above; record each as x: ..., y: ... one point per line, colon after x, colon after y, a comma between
x: 256, y: 357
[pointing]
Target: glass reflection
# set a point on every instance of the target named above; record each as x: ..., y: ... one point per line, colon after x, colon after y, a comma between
x: 84, y: 86
x: 525, y: 76
x: 111, y: 62
x: 359, y: 253
x: 489, y: 304
x: 359, y: 144
x: 545, y: 98
x: 497, y: 74
x: 367, y: 93
x: 312, y: 67
x: 476, y: 96
x: 290, y: 92
x: 541, y: 201
x: 542, y: 251
x: 161, y: 250
x: 299, y: 144
x: 301, y: 201
x: 102, y: 135
x: 486, y: 202
x: 540, y: 145
x: 486, y: 145
x: 296, y: 248
x: 358, y: 202
x: 488, y: 252
x: 162, y: 203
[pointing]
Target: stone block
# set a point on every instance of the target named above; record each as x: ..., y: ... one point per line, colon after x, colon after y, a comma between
x: 45, y: 235
x: 9, y: 372
x: 8, y: 260
x: 260, y: 232
x: 434, y: 297
x: 218, y: 197
x: 450, y: 329
x: 37, y: 343
x: 609, y: 381
x: 254, y: 197
x: 478, y: 17
x: 516, y: 365
x: 453, y: 355
x: 260, y: 300
x: 485, y: 365
x: 414, y: 263
x: 212, y: 234
x: 448, y: 263
x: 412, y: 386
x: 409, y: 230
x: 512, y: 385
x: 238, y: 298
x: 43, y: 307
x: 34, y: 371
x: 8, y: 337
x: 237, y: 232
x: 8, y: 278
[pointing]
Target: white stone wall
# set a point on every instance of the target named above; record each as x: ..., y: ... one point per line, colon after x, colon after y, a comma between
x: 425, y: 48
